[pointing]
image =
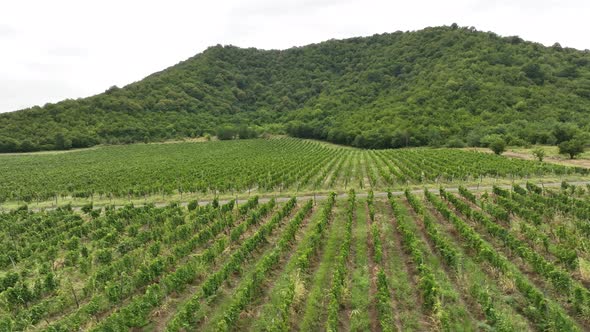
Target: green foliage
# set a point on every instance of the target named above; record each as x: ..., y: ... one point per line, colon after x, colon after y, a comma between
x: 442, y: 244
x: 103, y: 256
x: 87, y: 208
x: 559, y: 278
x: 192, y: 205
x: 226, y: 133
x: 427, y: 87
x: 340, y: 269
x: 539, y: 153
x: 386, y: 319
x: 231, y: 167
x: 187, y: 256
x: 545, y: 313
x: 498, y: 146
x: 572, y: 147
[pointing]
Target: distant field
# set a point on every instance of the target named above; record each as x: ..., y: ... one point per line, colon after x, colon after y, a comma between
x: 506, y: 260
x: 552, y: 152
x: 283, y: 165
x: 551, y: 155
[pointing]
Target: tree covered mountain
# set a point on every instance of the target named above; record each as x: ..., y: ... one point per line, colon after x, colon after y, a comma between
x: 438, y: 86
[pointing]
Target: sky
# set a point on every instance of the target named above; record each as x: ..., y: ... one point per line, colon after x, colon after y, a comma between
x: 58, y: 49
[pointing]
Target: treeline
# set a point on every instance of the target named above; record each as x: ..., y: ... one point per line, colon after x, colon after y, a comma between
x: 518, y: 133
x: 443, y: 86
x: 76, y: 140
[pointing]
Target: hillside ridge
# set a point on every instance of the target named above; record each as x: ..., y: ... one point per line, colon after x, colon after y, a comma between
x: 442, y: 86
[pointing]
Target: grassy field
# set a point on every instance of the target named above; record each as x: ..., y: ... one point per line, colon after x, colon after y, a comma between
x: 551, y: 155
x: 552, y: 152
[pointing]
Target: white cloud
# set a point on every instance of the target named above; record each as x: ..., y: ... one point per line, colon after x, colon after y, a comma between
x: 52, y: 50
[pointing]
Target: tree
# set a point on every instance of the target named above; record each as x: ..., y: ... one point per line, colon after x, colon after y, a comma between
x: 572, y: 147
x: 539, y: 153
x: 62, y: 142
x: 8, y: 144
x: 565, y: 131
x: 321, y: 92
x: 534, y: 72
x: 455, y: 142
x: 498, y: 146
x: 245, y: 132
x: 27, y: 146
x: 226, y: 132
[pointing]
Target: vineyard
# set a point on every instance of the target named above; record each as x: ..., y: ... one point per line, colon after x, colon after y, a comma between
x: 231, y: 168
x: 433, y: 180
x: 390, y: 240
x: 503, y: 260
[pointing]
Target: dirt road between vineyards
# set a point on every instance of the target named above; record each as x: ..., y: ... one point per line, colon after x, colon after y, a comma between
x: 319, y: 197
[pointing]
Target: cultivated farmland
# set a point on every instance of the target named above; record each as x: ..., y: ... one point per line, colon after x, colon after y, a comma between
x: 320, y: 237
x: 238, y: 168
x: 503, y: 260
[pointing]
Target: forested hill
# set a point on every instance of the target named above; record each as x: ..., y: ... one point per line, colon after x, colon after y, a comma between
x: 438, y: 86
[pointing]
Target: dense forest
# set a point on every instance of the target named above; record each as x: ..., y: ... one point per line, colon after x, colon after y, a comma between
x: 442, y: 86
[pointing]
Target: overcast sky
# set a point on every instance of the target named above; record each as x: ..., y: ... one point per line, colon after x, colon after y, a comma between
x: 52, y: 50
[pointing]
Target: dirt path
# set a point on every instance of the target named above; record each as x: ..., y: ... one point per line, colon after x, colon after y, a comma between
x: 373, y: 269
x: 266, y: 198
x: 344, y: 314
x: 424, y: 320
x: 395, y: 305
x: 312, y: 313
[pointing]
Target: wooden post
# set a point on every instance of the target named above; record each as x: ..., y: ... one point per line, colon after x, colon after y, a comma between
x: 75, y: 296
